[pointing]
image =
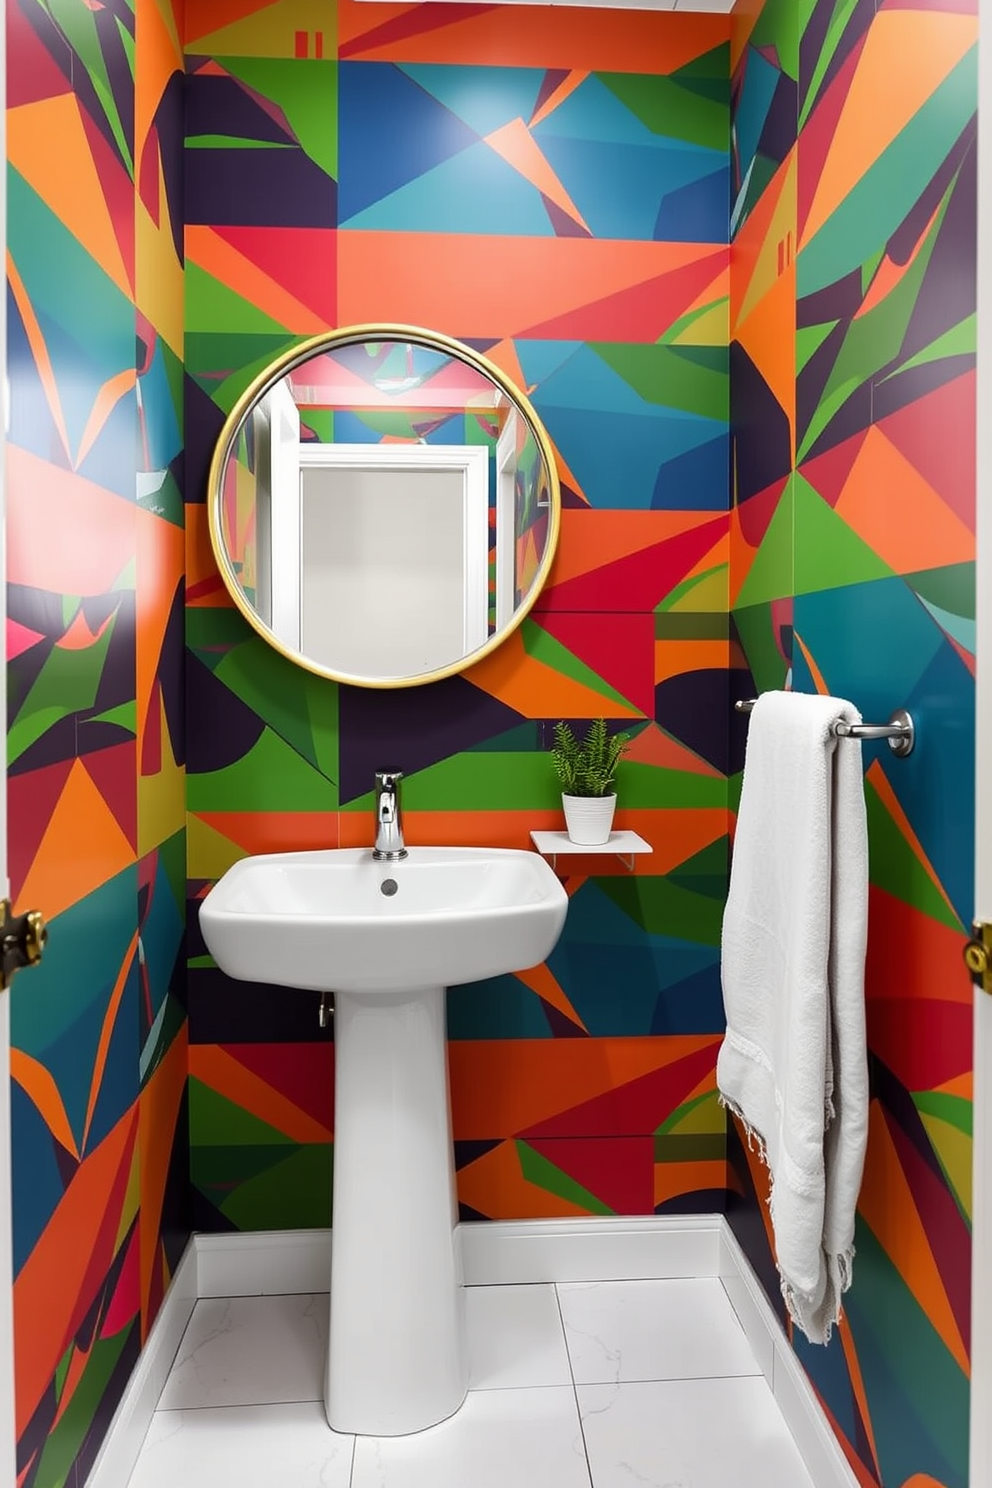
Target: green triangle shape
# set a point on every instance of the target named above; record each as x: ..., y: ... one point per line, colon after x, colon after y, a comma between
x: 958, y: 341
x: 771, y: 573
x: 954, y: 1109
x: 272, y: 776
x: 895, y: 867
x: 829, y: 555
x: 217, y: 1122
x: 306, y: 90
x: 293, y: 1194
x: 211, y: 303
x: 125, y: 714
x: 671, y: 107
x: 757, y: 635
x: 951, y: 589
x: 543, y: 1173
x: 275, y: 689
x: 545, y: 648
x: 809, y: 339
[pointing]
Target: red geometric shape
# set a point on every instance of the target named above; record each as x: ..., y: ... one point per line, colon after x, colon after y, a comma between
x: 946, y: 1230
x: 299, y: 259
x: 20, y: 638
x: 936, y: 433
x: 619, y: 648
x: 113, y: 773
x: 36, y: 75
x: 303, y: 1073
x: 118, y: 191
x: 617, y: 1170
x: 754, y: 514
x: 151, y: 742
x: 31, y: 799
x: 635, y: 1109
x: 640, y: 581
x: 817, y: 134
x: 641, y: 313
x: 828, y: 473
x: 923, y: 1041
x: 125, y: 1302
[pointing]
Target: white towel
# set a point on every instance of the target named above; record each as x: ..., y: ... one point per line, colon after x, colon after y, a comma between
x: 793, y: 1065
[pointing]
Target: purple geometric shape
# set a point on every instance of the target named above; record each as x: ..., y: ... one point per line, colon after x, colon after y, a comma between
x: 695, y: 709
x: 258, y: 188
x: 759, y: 427
x: 203, y: 423
x: 412, y: 728
x: 222, y: 729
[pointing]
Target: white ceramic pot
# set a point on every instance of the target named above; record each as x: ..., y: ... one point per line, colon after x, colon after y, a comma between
x: 588, y: 818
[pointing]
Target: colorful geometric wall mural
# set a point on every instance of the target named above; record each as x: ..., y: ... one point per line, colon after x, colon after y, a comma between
x: 852, y: 568
x: 95, y: 744
x: 531, y: 190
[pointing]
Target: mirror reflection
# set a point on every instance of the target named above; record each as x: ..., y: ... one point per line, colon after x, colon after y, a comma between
x: 384, y: 505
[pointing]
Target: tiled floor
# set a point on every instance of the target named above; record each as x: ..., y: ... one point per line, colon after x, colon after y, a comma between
x: 613, y: 1385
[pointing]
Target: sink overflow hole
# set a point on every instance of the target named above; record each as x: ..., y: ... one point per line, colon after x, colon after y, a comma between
x: 388, y: 886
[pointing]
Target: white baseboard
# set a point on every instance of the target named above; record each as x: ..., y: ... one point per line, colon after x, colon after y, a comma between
x: 132, y: 1418
x: 801, y: 1410
x: 601, y: 1249
x: 266, y: 1263
x: 263, y: 1263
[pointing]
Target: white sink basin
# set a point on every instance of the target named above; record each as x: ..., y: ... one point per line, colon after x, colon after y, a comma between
x: 339, y: 921
x: 387, y: 938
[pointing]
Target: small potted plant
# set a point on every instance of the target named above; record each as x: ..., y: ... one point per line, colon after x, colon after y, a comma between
x: 586, y: 770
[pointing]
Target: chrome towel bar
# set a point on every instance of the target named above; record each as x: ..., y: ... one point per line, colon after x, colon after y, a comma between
x: 900, y: 731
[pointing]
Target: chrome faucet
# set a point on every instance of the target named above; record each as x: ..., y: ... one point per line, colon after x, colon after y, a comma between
x: 388, y: 819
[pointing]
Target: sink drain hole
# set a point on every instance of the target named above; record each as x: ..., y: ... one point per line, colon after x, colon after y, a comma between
x: 388, y: 887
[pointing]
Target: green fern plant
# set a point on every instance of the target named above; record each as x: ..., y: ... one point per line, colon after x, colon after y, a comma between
x: 587, y: 767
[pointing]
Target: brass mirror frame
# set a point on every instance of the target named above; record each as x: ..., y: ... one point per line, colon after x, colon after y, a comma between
x: 329, y: 341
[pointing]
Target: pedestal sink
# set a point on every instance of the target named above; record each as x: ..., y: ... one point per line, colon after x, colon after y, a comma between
x: 387, y: 938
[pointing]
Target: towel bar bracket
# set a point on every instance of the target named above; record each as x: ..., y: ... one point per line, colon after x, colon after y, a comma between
x: 899, y: 731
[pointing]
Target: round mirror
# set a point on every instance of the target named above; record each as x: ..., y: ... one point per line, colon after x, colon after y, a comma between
x: 384, y: 505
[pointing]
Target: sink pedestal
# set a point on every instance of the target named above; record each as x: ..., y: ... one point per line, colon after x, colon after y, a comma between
x: 397, y: 1360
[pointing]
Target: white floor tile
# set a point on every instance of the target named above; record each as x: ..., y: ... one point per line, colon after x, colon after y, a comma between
x: 250, y: 1351
x: 515, y: 1337
x: 499, y: 1439
x: 653, y: 1330
x: 254, y: 1446
x: 703, y: 1433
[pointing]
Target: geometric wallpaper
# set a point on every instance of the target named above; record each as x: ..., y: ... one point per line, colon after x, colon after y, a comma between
x: 95, y: 743
x: 731, y: 264
x: 530, y: 189
x: 853, y: 408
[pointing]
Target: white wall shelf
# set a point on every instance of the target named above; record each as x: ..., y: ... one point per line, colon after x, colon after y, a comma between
x: 623, y: 845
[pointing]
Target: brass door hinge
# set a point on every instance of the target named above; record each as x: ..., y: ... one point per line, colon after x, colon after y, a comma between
x: 978, y: 955
x: 22, y: 941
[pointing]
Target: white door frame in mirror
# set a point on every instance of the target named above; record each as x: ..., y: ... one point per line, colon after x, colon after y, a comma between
x: 289, y: 459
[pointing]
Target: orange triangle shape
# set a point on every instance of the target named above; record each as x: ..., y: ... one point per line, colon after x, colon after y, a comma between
x: 517, y: 146
x: 654, y: 747
x: 66, y: 178
x: 884, y: 98
x: 898, y: 514
x: 82, y: 848
x: 889, y: 1209
x: 535, y: 690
